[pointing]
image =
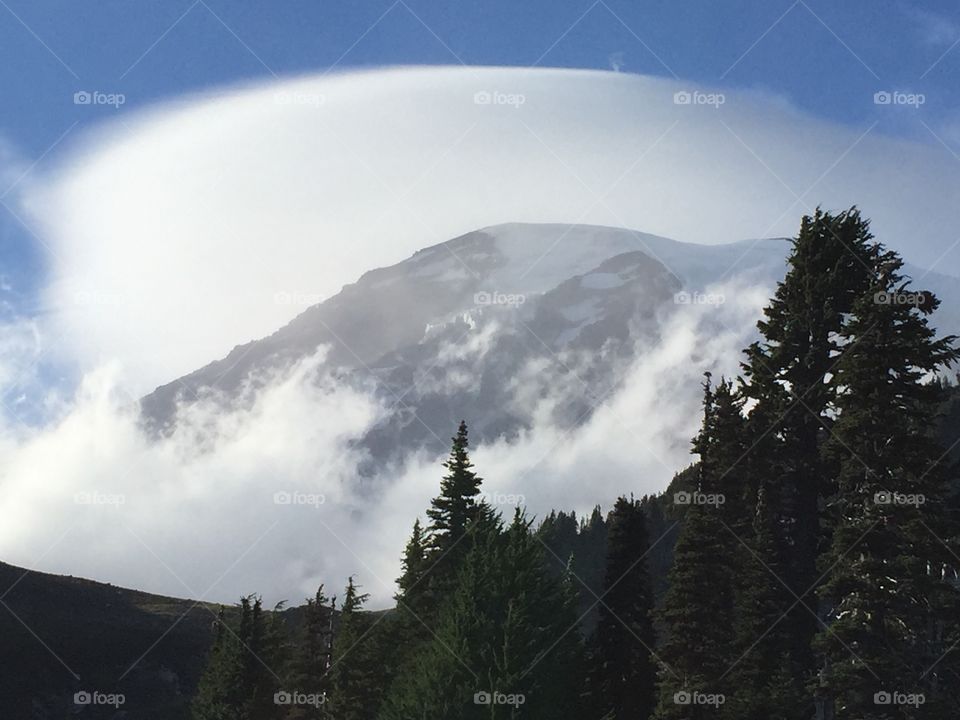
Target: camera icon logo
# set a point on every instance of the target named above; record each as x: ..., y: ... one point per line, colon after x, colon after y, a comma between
x: 882, y: 698
x: 82, y: 98
x: 882, y: 98
x: 682, y: 698
x: 682, y: 98
x: 482, y: 97
x: 282, y: 498
x: 282, y: 698
x: 682, y: 498
x: 82, y: 698
x: 883, y: 498
x: 482, y: 698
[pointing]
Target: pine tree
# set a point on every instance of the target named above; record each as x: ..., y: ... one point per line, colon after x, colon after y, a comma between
x: 892, y: 607
x: 590, y: 560
x: 624, y: 675
x: 445, y: 542
x: 239, y: 681
x: 455, y: 507
x: 578, y: 549
x: 414, y: 563
x: 352, y: 674
x: 789, y: 379
x: 509, y: 628
x: 697, y: 612
x: 414, y: 600
x: 765, y: 682
x: 312, y: 660
x: 216, y: 697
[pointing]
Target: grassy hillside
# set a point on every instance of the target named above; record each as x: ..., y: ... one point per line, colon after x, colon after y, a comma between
x: 63, y: 635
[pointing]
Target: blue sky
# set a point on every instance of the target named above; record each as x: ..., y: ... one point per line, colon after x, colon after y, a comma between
x: 826, y: 58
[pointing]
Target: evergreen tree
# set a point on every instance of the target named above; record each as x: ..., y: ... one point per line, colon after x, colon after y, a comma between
x: 695, y: 615
x: 312, y: 661
x: 892, y: 607
x: 508, y: 631
x: 414, y: 600
x: 445, y: 543
x: 217, y: 697
x: 789, y: 380
x: 765, y: 682
x: 698, y: 606
x: 239, y: 682
x: 590, y: 561
x: 578, y: 548
x: 352, y: 673
x: 623, y: 674
x: 414, y: 563
x: 455, y: 507
x: 559, y: 533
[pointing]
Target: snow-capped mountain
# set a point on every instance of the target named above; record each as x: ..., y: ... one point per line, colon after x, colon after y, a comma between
x: 497, y: 325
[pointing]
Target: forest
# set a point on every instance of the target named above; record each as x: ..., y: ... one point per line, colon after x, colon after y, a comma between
x: 805, y: 564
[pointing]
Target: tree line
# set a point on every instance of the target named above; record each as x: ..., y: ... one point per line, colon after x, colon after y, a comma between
x: 805, y: 566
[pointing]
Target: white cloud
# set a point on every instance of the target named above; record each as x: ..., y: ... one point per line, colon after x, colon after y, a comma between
x: 195, y: 514
x: 177, y: 229
x: 177, y: 233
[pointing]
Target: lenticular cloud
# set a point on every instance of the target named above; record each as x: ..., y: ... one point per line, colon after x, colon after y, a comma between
x: 201, y: 224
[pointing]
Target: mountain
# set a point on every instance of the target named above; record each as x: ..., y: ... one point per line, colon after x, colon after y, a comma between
x: 492, y: 323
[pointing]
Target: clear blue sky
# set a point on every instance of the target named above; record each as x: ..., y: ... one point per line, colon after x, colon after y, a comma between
x: 825, y: 57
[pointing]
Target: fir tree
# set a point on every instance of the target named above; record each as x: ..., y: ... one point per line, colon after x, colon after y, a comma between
x: 789, y: 378
x: 509, y: 628
x: 455, y: 507
x: 445, y: 543
x: 352, y: 673
x: 764, y: 680
x: 698, y: 606
x: 239, y: 681
x: 577, y: 549
x: 892, y: 607
x: 217, y: 695
x: 414, y: 563
x: 624, y: 675
x: 312, y: 660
